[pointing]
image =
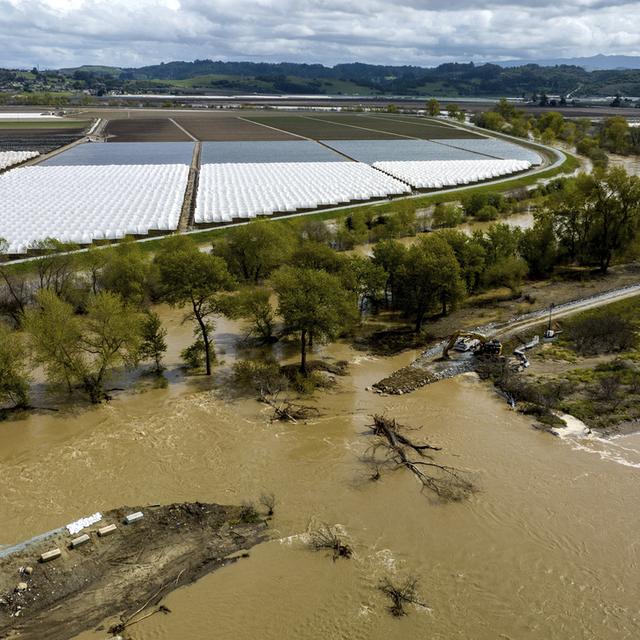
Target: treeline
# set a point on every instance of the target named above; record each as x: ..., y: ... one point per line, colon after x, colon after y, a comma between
x: 611, y: 135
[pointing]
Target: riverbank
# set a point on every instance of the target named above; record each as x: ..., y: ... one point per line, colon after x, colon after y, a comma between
x: 123, y: 575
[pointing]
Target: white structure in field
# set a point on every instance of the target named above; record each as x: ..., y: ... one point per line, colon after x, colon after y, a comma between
x: 230, y: 191
x: 437, y: 174
x: 84, y: 203
x: 11, y: 158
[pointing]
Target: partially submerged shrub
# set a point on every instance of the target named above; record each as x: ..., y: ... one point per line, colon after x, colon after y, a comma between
x: 193, y: 355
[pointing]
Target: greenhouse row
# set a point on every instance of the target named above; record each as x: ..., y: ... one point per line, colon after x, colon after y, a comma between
x: 448, y: 173
x: 83, y: 204
x: 12, y: 158
x: 229, y: 191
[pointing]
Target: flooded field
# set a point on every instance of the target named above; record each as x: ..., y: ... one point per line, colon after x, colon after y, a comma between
x: 546, y: 549
x: 631, y: 164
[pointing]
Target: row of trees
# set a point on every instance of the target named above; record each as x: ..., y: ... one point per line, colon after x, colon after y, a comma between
x: 611, y: 135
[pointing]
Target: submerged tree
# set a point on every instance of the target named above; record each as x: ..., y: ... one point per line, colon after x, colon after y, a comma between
x: 199, y: 280
x: 154, y: 344
x: 82, y: 351
x: 313, y: 304
x: 14, y: 381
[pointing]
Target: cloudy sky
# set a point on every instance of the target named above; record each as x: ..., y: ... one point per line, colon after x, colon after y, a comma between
x: 56, y: 33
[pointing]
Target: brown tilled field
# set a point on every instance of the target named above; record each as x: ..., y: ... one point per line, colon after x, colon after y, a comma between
x: 317, y: 129
x: 208, y: 128
x: 144, y: 130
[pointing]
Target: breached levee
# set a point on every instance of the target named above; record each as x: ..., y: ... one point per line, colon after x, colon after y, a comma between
x: 420, y: 373
x: 119, y: 575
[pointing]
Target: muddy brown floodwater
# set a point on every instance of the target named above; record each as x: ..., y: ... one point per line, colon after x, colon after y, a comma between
x: 547, y: 549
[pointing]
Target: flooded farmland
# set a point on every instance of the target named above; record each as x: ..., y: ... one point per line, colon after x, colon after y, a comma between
x: 546, y: 549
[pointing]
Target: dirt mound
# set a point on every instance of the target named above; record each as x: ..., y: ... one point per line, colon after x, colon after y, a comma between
x: 122, y: 574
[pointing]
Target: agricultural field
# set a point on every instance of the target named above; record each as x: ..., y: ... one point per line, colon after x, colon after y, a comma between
x: 251, y: 164
x: 149, y: 130
x: 441, y: 174
x: 11, y: 158
x: 42, y: 136
x: 228, y: 129
x: 295, y: 150
x: 400, y: 126
x: 230, y: 191
x: 126, y: 153
x: 371, y: 151
x: 82, y: 204
x: 316, y: 129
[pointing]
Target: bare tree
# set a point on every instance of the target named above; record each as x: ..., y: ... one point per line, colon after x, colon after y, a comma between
x: 326, y: 537
x: 268, y: 500
x: 393, y: 450
x: 401, y: 594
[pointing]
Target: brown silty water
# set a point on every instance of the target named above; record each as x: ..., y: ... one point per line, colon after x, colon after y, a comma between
x: 546, y: 549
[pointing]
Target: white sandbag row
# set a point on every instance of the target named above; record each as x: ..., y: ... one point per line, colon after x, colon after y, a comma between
x: 229, y: 191
x: 81, y: 204
x: 11, y: 158
x: 436, y: 174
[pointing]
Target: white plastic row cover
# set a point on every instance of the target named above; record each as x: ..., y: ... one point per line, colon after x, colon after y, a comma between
x: 11, y: 158
x: 229, y: 191
x: 81, y: 204
x: 437, y: 174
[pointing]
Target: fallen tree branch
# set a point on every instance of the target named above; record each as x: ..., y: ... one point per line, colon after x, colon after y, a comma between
x: 287, y: 411
x: 392, y: 450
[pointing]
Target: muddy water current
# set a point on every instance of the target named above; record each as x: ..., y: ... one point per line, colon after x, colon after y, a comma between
x: 548, y: 548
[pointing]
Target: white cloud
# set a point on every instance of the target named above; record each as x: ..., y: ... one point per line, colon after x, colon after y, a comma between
x: 53, y: 33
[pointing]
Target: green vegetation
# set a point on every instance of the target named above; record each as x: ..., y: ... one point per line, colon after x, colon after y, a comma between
x: 199, y: 280
x: 14, y: 381
x: 81, y: 351
x: 612, y: 135
x: 451, y: 79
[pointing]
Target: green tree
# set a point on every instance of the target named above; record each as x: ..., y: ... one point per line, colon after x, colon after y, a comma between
x: 470, y: 254
x: 597, y: 216
x: 14, y: 380
x: 614, y: 135
x: 369, y: 281
x: 127, y: 271
x: 253, y: 251
x: 82, y: 351
x: 153, y: 344
x: 314, y: 304
x: 199, y: 280
x: 433, y: 107
x: 389, y: 254
x: 429, y: 277
x: 447, y: 215
x: 454, y: 112
x: 539, y: 247
x: 254, y: 305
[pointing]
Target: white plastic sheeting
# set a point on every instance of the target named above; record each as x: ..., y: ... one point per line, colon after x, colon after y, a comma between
x: 10, y: 158
x: 86, y: 203
x: 495, y: 148
x: 229, y: 191
x: 447, y: 173
x: 78, y: 525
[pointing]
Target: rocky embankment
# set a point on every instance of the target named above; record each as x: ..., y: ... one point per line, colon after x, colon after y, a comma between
x: 119, y: 575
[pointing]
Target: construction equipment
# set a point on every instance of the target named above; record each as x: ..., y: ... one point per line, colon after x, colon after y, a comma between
x: 473, y: 341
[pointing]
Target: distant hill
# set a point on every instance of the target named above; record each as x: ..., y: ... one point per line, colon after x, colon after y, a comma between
x: 452, y: 79
x: 592, y: 63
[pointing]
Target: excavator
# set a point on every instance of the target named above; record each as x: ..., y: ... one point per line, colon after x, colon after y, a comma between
x: 471, y: 340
